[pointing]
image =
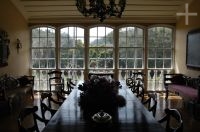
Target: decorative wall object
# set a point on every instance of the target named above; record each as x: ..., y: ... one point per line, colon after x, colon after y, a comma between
x: 18, y: 45
x: 4, y: 48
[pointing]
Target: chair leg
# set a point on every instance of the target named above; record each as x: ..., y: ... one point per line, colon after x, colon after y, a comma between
x: 167, y: 94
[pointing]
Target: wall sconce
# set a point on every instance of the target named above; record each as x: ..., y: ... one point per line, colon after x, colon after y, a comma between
x: 19, y: 45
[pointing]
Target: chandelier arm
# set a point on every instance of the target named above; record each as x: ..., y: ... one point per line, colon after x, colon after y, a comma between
x: 99, y: 9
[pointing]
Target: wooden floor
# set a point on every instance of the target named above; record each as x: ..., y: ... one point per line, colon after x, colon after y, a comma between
x: 8, y: 123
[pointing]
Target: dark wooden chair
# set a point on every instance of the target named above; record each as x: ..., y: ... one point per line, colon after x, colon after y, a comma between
x: 172, y: 116
x: 57, y: 83
x: 131, y: 81
x: 136, y: 84
x: 61, y: 95
x: 138, y: 89
x: 55, y: 73
x: 56, y: 80
x: 46, y: 101
x: 151, y: 103
x: 4, y: 104
x: 70, y: 86
x: 29, y: 114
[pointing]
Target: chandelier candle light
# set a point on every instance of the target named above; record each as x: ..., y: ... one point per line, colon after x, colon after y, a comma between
x: 101, y: 9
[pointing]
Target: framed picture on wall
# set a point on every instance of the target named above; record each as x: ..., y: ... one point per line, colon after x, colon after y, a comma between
x: 4, y: 48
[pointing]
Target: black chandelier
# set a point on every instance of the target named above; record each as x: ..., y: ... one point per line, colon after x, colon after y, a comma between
x: 100, y: 9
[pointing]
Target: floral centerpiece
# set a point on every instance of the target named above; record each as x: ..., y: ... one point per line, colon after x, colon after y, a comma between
x: 100, y: 93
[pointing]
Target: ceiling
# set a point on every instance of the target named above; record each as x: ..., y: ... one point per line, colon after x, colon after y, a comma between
x: 65, y: 11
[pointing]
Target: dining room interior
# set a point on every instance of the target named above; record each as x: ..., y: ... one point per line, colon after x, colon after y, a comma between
x: 134, y: 43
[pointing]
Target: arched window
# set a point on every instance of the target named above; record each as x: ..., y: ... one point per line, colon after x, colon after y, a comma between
x: 77, y: 51
x: 43, y: 54
x: 160, y: 55
x: 72, y: 52
x: 131, y: 50
x: 101, y: 49
x: 43, y: 47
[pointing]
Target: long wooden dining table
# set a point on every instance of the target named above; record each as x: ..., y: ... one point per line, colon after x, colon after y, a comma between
x: 133, y: 117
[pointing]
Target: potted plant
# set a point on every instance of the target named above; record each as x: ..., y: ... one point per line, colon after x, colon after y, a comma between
x: 100, y: 93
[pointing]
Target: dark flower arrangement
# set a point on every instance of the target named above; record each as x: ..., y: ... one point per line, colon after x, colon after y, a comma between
x: 100, y: 93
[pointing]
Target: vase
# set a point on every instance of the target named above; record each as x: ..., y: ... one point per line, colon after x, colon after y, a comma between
x: 92, y: 104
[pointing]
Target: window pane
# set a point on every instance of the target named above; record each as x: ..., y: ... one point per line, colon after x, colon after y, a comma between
x: 139, y: 42
x: 47, y: 53
x: 151, y: 63
x: 64, y: 42
x: 80, y: 63
x: 43, y: 63
x: 151, y: 53
x: 35, y: 32
x: 130, y: 53
x: 131, y: 42
x: 167, y: 63
x: 35, y: 53
x: 51, y: 32
x: 159, y: 63
x: 159, y: 53
x: 79, y: 52
x: 51, y: 63
x: 35, y: 42
x: 109, y: 53
x: 130, y: 63
x: 43, y: 42
x: 139, y: 53
x: 35, y: 63
x: 167, y: 53
x: 109, y: 63
x: 63, y: 63
x: 167, y: 44
x: 93, y: 63
x: 122, y: 63
x: 138, y: 63
x: 101, y: 63
x: 43, y: 32
x: 93, y: 53
x: 122, y: 41
x: 51, y: 42
x: 122, y: 53
x: 101, y: 36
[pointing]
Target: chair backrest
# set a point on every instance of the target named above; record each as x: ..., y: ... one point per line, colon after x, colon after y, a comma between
x: 57, y: 83
x: 172, y: 115
x: 55, y: 73
x: 138, y: 90
x: 132, y: 81
x: 55, y: 80
x: 61, y: 95
x: 69, y: 87
x: 45, y: 104
x: 29, y: 113
x: 151, y: 103
x: 62, y: 92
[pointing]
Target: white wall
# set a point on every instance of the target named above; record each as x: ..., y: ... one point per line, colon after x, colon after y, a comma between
x: 181, y: 39
x: 16, y: 26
